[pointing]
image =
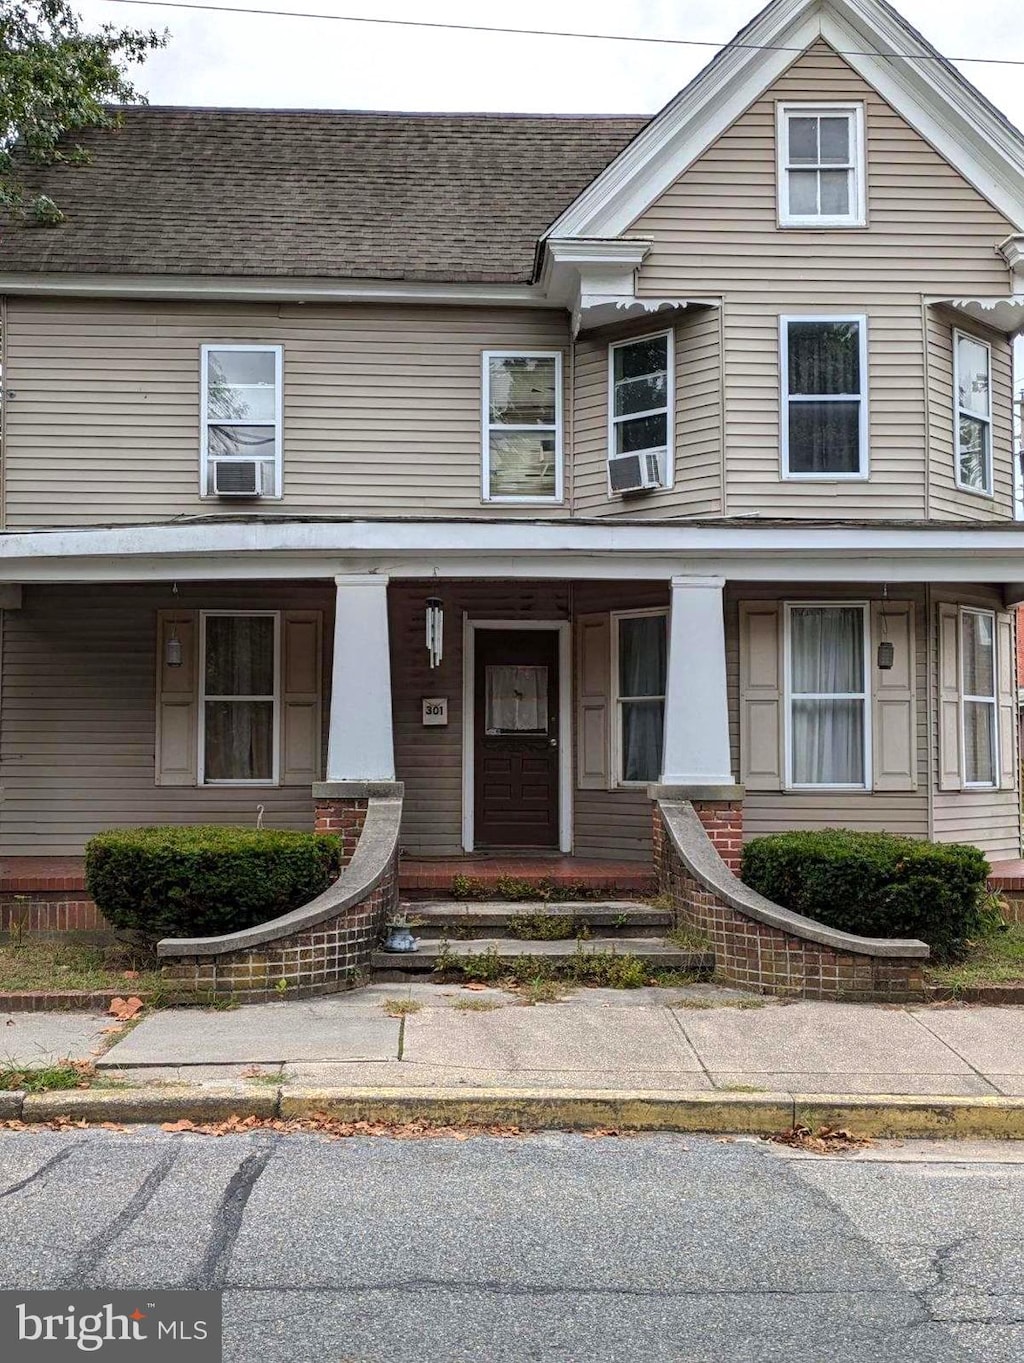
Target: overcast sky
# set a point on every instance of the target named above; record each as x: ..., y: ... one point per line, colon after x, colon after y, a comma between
x: 250, y: 60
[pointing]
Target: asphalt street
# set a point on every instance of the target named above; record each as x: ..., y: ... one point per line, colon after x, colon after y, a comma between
x: 543, y: 1247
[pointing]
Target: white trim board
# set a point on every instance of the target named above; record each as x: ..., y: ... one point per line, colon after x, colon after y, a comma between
x: 929, y: 93
x: 565, y: 812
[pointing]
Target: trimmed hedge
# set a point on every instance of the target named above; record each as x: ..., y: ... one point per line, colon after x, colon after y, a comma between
x: 874, y: 884
x: 203, y: 880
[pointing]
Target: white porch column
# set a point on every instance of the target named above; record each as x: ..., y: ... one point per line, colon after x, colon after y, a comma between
x: 360, y: 745
x: 696, y: 709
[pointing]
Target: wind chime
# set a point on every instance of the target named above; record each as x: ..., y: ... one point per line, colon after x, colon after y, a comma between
x: 435, y: 630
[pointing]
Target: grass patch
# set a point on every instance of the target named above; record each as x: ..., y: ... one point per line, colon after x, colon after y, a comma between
x: 516, y: 890
x: 401, y: 1008
x: 66, y: 1074
x: 545, y: 927
x: 476, y: 1005
x: 610, y: 969
x: 687, y: 939
x: 530, y: 992
x: 56, y: 966
x: 995, y: 958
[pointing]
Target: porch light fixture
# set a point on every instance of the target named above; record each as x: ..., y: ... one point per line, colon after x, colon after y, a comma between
x: 886, y: 648
x: 172, y: 646
x: 435, y: 630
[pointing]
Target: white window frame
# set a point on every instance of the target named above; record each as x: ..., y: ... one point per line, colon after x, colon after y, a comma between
x: 857, y: 216
x: 789, y: 695
x: 669, y: 409
x: 206, y: 421
x: 992, y: 700
x: 785, y: 397
x: 201, y: 725
x: 986, y: 489
x: 617, y: 699
x: 559, y: 493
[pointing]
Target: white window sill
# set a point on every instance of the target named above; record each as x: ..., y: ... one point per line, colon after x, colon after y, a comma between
x: 821, y: 224
x: 825, y: 477
x: 975, y: 491
x: 815, y: 790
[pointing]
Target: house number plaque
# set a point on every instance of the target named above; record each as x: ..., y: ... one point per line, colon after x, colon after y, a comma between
x: 435, y: 710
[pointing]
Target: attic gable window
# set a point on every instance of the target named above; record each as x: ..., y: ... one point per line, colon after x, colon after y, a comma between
x: 821, y: 165
x: 522, y: 426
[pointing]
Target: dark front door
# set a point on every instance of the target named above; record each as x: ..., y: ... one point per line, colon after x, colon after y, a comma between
x: 516, y: 757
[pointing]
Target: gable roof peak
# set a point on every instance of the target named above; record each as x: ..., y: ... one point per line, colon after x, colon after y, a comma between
x: 877, y: 42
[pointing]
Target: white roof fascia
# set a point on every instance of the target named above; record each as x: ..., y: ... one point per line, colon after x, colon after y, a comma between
x: 209, y: 288
x: 934, y: 99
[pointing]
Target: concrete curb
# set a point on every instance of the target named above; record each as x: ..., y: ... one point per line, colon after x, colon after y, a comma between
x: 147, y: 1105
x: 878, y: 1115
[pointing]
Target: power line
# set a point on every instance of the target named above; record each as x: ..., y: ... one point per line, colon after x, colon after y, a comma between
x: 549, y: 32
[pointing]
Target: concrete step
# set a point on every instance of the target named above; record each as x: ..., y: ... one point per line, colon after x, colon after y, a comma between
x: 456, y: 918
x: 658, y: 953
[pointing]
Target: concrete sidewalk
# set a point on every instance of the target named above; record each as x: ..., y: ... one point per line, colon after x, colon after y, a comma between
x: 693, y: 1040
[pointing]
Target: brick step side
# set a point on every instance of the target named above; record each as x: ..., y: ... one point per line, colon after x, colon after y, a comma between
x: 615, y: 918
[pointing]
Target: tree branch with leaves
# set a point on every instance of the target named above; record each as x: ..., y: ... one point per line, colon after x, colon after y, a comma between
x: 57, y: 80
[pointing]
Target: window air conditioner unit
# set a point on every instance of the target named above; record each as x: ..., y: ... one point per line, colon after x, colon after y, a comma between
x: 238, y: 478
x: 636, y: 472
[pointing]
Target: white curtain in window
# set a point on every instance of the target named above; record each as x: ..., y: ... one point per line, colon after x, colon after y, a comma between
x: 827, y: 728
x: 239, y: 686
x: 517, y: 699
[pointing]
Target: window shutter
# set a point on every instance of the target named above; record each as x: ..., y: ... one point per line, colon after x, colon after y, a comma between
x: 760, y: 696
x: 1007, y: 701
x: 949, y: 698
x: 177, y: 705
x: 300, y: 700
x: 894, y: 698
x: 593, y: 702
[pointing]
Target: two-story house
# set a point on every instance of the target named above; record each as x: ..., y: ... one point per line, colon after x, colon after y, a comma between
x: 527, y: 461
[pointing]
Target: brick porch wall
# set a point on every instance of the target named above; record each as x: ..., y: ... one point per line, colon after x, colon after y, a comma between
x: 723, y: 823
x: 47, y: 911
x: 758, y: 956
x: 344, y: 818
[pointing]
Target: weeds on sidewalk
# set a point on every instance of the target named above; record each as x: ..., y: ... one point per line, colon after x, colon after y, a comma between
x: 65, y: 1074
x: 401, y: 1008
x: 612, y: 969
x: 476, y: 1005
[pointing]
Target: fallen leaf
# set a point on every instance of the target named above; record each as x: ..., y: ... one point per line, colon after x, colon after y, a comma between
x: 123, y: 1009
x: 475, y: 987
x: 10, y: 1023
x: 130, y: 974
x: 116, y: 1029
x: 827, y: 1140
x: 183, y: 1124
x: 112, y: 1126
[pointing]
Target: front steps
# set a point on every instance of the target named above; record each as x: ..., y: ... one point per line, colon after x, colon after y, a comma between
x: 453, y: 928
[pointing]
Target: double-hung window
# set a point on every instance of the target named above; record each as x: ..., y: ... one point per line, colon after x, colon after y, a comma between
x: 823, y: 364
x: 972, y: 369
x: 240, y: 423
x: 978, y: 690
x: 821, y: 165
x: 239, y: 697
x: 827, y: 710
x: 639, y: 663
x: 522, y: 426
x: 640, y: 413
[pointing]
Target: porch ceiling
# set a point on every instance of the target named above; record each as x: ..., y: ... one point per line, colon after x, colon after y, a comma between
x: 282, y: 548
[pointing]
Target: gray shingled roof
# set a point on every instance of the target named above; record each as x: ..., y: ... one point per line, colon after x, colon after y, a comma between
x: 346, y: 195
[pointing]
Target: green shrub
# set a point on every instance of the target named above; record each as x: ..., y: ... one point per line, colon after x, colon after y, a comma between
x: 200, y: 881
x: 874, y: 884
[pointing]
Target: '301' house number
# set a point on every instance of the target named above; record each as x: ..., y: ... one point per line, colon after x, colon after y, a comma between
x: 435, y: 710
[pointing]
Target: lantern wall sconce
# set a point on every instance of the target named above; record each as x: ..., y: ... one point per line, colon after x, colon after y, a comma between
x: 172, y: 651
x: 886, y: 655
x: 435, y: 630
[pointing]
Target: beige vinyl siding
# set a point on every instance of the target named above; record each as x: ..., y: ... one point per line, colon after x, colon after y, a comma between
x: 697, y: 485
x: 929, y: 234
x: 78, y: 726
x: 382, y: 406
x: 991, y: 819
x: 947, y: 500
x: 775, y: 811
